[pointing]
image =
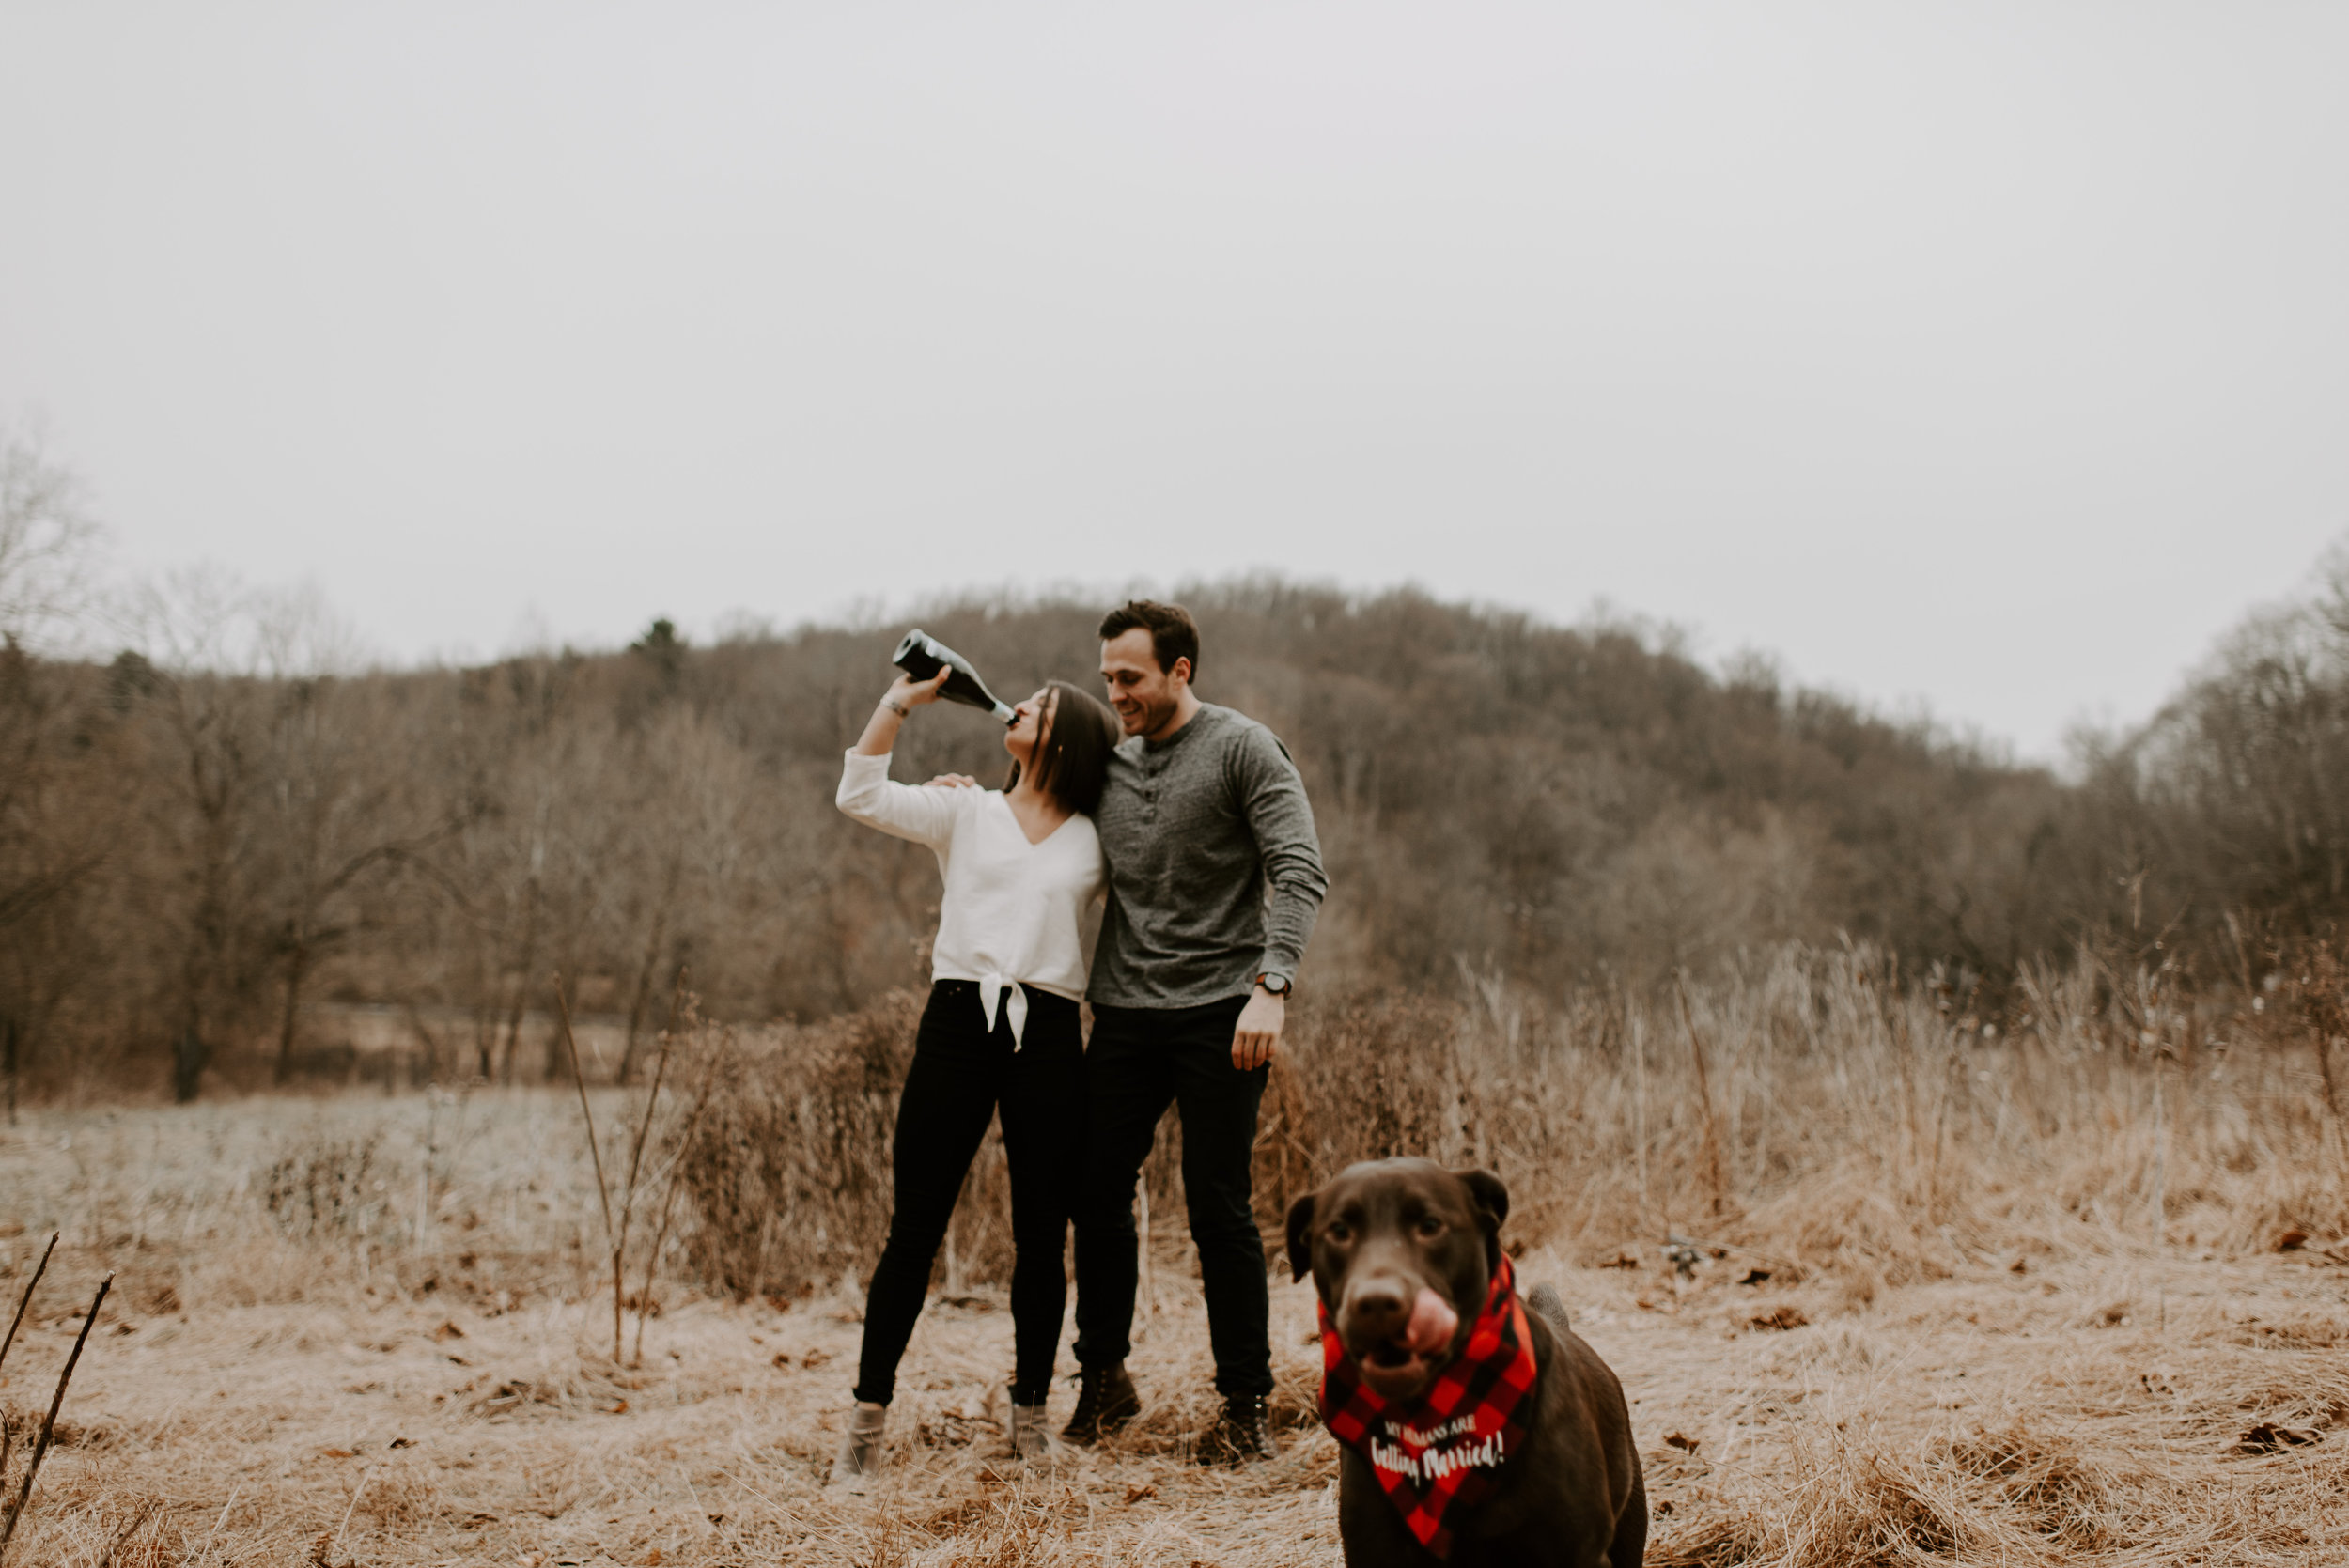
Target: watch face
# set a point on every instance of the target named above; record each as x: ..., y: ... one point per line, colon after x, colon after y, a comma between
x: 1273, y: 984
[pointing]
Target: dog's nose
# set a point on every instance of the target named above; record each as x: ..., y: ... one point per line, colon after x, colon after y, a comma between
x: 1378, y: 1309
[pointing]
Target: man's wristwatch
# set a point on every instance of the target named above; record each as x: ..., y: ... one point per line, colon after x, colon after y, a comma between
x: 1274, y: 985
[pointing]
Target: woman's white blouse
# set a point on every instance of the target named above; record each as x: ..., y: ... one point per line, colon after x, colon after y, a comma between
x: 1014, y: 914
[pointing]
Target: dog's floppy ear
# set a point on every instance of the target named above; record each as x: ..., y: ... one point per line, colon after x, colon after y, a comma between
x: 1302, y: 1237
x: 1491, y: 1196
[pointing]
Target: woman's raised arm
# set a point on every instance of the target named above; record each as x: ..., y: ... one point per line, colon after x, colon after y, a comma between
x: 867, y: 791
x: 897, y: 705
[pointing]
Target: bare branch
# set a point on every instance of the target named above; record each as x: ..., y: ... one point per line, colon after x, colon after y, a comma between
x: 41, y: 1448
x: 26, y: 1299
x: 49, y: 545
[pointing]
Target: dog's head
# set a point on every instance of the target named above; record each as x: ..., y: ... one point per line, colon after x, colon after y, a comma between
x: 1402, y: 1253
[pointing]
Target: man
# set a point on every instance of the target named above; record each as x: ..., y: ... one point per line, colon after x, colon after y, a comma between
x: 1214, y: 879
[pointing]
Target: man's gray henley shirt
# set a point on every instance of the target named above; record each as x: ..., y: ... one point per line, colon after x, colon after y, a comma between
x: 1195, y: 829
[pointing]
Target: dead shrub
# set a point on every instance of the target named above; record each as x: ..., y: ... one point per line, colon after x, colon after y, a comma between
x: 327, y: 1188
x: 787, y: 1169
x: 1379, y: 1078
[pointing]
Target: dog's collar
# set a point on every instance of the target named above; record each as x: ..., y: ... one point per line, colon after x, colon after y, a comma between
x: 1443, y: 1450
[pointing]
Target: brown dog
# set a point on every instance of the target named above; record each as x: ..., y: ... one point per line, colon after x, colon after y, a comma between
x: 1416, y: 1291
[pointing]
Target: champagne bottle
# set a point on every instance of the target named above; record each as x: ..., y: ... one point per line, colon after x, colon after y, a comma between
x: 921, y: 655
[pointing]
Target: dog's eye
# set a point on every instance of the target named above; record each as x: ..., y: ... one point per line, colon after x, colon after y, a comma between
x: 1339, y: 1231
x: 1430, y: 1225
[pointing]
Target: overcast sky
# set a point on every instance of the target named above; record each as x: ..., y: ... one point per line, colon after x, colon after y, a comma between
x: 1991, y: 356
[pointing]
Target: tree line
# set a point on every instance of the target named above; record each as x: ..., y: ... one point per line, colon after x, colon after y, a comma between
x: 210, y: 840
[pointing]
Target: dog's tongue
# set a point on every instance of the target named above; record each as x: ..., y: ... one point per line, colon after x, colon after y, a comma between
x: 1432, y: 1322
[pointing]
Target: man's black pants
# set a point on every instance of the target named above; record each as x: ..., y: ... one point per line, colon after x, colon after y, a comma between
x: 963, y: 1074
x: 1140, y: 1061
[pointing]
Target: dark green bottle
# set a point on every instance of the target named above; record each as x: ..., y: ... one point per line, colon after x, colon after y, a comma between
x: 921, y: 655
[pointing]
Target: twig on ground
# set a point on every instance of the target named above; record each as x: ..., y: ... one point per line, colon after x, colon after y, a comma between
x: 195, y: 1559
x: 40, y: 1449
x: 324, y: 1551
x: 128, y: 1530
x: 27, y: 1300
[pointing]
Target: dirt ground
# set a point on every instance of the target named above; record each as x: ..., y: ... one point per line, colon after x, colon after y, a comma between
x: 250, y: 1397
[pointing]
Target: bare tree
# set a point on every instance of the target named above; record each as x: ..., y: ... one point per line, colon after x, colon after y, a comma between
x: 258, y: 842
x: 67, y: 787
x: 344, y: 813
x: 49, y: 544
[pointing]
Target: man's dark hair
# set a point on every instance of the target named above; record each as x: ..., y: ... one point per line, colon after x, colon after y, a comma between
x: 1173, y: 633
x: 1080, y: 733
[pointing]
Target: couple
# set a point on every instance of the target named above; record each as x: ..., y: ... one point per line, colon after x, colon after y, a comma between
x: 1196, y: 828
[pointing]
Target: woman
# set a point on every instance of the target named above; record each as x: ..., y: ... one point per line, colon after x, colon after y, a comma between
x: 1023, y: 868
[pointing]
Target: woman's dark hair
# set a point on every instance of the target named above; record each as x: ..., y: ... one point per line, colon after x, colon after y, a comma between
x: 1080, y: 733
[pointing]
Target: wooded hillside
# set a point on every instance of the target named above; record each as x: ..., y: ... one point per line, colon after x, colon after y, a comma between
x: 193, y: 859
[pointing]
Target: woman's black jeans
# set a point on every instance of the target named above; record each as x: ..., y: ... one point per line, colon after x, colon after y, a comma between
x: 962, y: 1075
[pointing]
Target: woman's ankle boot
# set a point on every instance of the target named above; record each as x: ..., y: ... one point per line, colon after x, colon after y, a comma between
x: 860, y: 1451
x: 1031, y: 1440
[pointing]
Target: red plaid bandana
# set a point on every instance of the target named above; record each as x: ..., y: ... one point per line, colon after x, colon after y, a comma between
x: 1447, y: 1447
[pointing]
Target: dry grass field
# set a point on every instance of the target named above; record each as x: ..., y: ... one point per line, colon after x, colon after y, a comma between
x: 2014, y: 1298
